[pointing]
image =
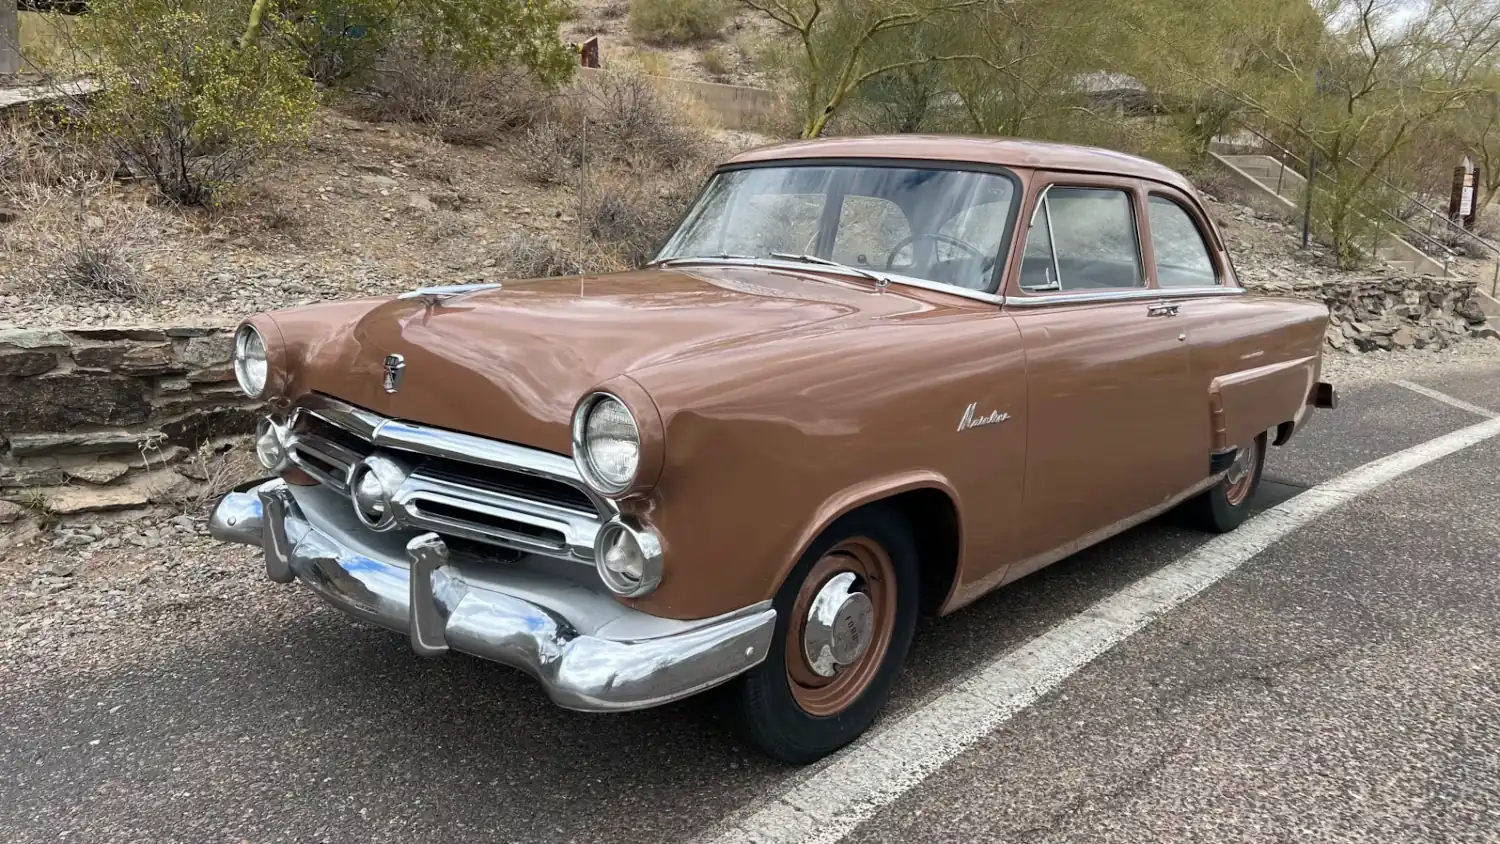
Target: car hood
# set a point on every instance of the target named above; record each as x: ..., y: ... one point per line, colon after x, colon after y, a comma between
x: 512, y: 363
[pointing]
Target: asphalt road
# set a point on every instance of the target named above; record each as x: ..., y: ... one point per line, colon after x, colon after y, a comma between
x: 1344, y: 684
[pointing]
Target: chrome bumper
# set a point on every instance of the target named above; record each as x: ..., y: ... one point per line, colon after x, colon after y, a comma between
x: 541, y: 615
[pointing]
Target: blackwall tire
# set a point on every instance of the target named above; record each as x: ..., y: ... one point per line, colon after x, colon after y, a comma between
x: 785, y: 706
x: 1226, y: 506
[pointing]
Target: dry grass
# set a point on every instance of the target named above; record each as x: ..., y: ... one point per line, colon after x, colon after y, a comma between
x: 215, y: 467
x: 679, y: 22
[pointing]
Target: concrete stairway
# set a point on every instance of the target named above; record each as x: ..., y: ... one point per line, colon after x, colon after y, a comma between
x: 1282, y: 188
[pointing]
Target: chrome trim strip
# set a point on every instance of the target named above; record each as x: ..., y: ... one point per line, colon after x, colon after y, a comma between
x: 897, y: 278
x: 587, y: 650
x: 1120, y: 295
x: 578, y: 530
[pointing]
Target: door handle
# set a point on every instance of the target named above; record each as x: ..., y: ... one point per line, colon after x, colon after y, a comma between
x: 1161, y: 309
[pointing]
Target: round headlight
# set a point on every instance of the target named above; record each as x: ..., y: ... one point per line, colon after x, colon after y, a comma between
x: 250, y: 365
x: 628, y: 559
x: 606, y: 444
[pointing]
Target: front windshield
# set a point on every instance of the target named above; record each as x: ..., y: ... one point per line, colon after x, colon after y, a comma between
x: 941, y: 225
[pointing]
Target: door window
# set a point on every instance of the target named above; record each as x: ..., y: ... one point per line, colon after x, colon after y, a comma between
x: 1082, y: 239
x: 1182, y: 257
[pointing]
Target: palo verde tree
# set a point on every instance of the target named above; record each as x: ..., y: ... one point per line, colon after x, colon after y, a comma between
x: 833, y: 46
x: 344, y: 38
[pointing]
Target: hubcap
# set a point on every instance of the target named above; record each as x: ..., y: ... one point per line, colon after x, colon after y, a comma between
x: 1241, y: 474
x: 838, y: 628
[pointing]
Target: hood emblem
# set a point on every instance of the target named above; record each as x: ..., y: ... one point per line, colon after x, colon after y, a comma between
x: 970, y: 420
x: 394, y: 368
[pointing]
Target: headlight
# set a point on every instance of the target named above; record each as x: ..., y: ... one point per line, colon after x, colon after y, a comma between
x: 628, y: 559
x: 606, y: 444
x: 250, y: 365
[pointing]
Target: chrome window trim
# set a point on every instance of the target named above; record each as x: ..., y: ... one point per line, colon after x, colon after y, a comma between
x: 1121, y: 295
x: 895, y: 278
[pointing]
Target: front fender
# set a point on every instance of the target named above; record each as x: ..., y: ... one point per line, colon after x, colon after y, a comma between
x: 767, y: 444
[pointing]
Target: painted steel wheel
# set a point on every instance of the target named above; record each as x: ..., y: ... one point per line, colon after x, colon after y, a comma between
x: 841, y: 625
x: 1226, y: 506
x: 844, y: 620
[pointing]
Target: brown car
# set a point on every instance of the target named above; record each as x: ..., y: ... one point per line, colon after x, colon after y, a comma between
x: 865, y: 379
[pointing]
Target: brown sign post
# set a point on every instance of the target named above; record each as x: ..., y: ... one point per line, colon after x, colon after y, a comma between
x: 1462, y: 207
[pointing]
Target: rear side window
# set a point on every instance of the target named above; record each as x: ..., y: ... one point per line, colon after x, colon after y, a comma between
x: 1082, y: 239
x: 1182, y: 257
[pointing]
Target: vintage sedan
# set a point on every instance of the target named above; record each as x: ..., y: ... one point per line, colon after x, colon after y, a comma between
x: 865, y: 379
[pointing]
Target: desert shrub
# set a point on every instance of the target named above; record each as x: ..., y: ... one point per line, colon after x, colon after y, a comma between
x: 41, y: 155
x: 677, y: 22
x: 716, y: 62
x: 182, y: 102
x: 338, y: 39
x: 629, y: 123
x: 462, y: 105
x: 632, y: 214
x: 528, y: 256
x: 343, y: 40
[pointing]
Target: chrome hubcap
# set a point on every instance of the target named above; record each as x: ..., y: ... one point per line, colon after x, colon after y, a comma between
x: 1239, y: 467
x: 838, y: 627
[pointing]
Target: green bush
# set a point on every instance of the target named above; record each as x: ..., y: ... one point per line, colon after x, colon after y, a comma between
x: 182, y: 102
x: 676, y: 22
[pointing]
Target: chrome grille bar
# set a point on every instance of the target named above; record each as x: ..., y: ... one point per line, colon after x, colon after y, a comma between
x: 455, y: 495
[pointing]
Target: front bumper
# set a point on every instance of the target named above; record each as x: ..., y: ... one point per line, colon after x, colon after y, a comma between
x: 547, y: 617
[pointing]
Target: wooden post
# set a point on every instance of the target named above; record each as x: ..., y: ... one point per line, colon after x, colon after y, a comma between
x: 10, y: 38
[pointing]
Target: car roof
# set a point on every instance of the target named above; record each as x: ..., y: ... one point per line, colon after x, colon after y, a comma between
x: 1004, y: 152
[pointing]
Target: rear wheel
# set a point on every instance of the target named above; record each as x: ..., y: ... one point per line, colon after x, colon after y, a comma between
x: 1224, y: 507
x: 844, y: 620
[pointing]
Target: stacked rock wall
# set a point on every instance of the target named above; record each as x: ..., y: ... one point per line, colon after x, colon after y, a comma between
x: 113, y: 415
x: 1393, y: 311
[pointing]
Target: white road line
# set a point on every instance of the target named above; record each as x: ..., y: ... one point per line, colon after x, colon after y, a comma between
x: 834, y: 797
x: 1447, y: 399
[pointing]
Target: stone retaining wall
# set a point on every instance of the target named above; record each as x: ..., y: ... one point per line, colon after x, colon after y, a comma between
x: 113, y: 415
x: 1393, y: 311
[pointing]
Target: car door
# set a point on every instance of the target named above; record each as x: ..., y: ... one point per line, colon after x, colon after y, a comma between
x: 1113, y: 428
x: 1225, y: 337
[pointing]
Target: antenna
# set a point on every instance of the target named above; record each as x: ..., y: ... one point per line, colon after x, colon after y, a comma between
x: 583, y: 179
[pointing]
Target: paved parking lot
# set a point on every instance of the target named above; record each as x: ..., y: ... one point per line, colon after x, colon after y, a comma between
x: 1343, y: 683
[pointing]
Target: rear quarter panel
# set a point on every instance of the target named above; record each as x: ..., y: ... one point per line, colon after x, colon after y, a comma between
x: 768, y: 443
x: 1255, y: 360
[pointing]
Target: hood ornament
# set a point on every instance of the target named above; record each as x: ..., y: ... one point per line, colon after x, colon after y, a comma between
x: 431, y: 296
x: 394, y: 368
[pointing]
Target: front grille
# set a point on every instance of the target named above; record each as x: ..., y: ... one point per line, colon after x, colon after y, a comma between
x: 533, y: 507
x: 516, y: 484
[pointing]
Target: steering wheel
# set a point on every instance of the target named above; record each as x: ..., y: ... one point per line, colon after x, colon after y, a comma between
x: 890, y: 259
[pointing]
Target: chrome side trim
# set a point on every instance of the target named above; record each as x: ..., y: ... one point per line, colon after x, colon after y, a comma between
x: 1101, y: 296
x: 587, y: 650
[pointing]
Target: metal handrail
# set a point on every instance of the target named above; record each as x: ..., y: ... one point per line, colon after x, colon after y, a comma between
x: 1441, y: 217
x: 1449, y: 251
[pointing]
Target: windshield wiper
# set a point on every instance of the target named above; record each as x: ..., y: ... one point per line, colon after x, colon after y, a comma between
x: 825, y: 262
x: 722, y: 256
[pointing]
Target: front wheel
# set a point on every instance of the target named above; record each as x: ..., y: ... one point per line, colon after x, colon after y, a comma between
x: 1226, y: 505
x: 844, y: 620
